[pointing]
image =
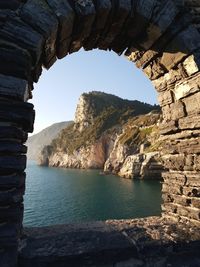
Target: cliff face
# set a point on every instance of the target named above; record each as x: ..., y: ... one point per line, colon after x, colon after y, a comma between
x: 90, y: 156
x: 109, y: 133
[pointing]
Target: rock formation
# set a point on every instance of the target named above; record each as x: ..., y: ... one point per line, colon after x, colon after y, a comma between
x: 113, y: 133
x: 146, y: 165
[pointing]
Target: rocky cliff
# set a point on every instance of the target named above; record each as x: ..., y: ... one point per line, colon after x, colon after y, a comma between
x: 109, y: 133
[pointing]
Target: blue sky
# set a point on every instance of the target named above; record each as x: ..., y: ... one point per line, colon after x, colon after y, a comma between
x: 56, y: 94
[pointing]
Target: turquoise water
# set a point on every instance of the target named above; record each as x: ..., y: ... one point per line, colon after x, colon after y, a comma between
x: 59, y: 196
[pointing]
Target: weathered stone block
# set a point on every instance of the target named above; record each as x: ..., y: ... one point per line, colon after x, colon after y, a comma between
x: 14, y: 87
x: 140, y: 15
x: 46, y: 24
x: 191, y: 191
x: 190, y: 65
x: 170, y: 60
x: 133, y: 54
x: 11, y: 213
x: 15, y: 180
x: 193, y: 179
x: 12, y: 147
x: 186, y: 88
x: 177, y: 110
x: 65, y: 15
x: 180, y: 135
x: 170, y: 207
x: 24, y: 36
x: 190, y: 146
x: 170, y: 188
x: 173, y: 111
x: 180, y: 47
x: 146, y: 58
x: 103, y: 9
x: 146, y: 8
x: 192, y: 122
x: 189, y: 212
x: 8, y: 133
x: 178, y: 24
x: 10, y: 164
x: 120, y: 13
x: 163, y: 15
x: 166, y: 113
x: 15, y: 62
x: 36, y: 72
x: 18, y: 113
x: 189, y: 39
x: 168, y: 127
x: 63, y: 48
x: 85, y: 16
x: 11, y: 196
x: 189, y: 163
x: 174, y: 162
x: 154, y: 70
x: 192, y: 104
x: 167, y: 197
x: 181, y: 200
x: 169, y: 79
x: 196, y: 203
x: 197, y: 163
x: 176, y: 178
x: 103, y: 244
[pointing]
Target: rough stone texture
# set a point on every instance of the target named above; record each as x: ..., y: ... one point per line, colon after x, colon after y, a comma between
x: 31, y: 37
x: 14, y: 88
x: 140, y: 242
x: 46, y: 24
x: 65, y: 15
x: 15, y: 31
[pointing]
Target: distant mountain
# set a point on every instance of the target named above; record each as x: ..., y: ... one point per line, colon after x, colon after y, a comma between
x: 37, y: 142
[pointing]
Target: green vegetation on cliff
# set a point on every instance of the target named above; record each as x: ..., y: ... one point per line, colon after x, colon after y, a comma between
x: 108, y: 112
x: 138, y: 129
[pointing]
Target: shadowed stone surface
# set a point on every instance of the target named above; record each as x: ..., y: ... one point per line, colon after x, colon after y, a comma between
x: 139, y: 242
x: 160, y: 37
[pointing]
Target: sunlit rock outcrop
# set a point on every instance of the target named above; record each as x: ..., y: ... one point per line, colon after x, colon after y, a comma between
x: 107, y: 131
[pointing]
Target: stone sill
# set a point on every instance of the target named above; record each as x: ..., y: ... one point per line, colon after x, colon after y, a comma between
x: 151, y: 241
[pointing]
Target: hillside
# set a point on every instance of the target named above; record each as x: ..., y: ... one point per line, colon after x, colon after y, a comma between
x: 37, y: 142
x: 106, y: 131
x: 94, y: 104
x: 97, y: 113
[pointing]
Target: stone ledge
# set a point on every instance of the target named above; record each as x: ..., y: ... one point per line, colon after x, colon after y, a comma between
x: 143, y: 242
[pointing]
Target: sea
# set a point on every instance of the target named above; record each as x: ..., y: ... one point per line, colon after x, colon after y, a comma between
x: 61, y: 196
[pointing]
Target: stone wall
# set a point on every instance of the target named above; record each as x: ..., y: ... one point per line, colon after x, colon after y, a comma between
x: 160, y: 37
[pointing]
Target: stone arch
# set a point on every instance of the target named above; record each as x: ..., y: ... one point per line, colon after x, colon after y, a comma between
x: 160, y: 37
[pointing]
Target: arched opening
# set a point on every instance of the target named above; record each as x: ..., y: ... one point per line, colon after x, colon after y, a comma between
x: 86, y: 72
x: 158, y: 36
x: 83, y: 72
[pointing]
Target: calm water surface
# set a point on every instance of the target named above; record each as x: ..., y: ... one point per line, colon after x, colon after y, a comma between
x: 59, y: 196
